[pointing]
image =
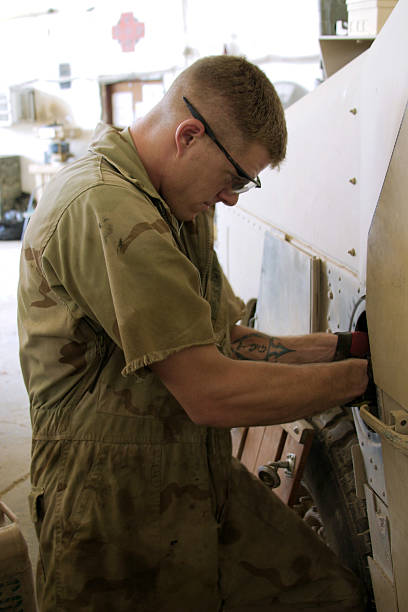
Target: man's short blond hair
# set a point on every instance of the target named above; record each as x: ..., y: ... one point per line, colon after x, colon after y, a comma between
x: 231, y: 92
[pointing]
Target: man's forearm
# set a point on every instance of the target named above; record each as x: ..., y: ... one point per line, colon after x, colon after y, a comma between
x: 250, y: 344
x: 265, y: 394
x: 221, y: 392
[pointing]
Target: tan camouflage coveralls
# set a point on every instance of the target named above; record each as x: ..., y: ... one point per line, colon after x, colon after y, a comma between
x: 137, y: 509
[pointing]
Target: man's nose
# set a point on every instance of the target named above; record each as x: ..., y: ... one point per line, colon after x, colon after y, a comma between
x: 228, y: 197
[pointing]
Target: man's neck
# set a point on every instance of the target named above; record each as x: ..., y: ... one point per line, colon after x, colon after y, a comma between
x: 147, y: 142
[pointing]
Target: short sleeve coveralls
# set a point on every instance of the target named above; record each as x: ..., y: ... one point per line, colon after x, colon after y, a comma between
x: 130, y: 498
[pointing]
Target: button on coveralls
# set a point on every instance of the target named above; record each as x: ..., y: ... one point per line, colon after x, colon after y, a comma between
x: 137, y: 509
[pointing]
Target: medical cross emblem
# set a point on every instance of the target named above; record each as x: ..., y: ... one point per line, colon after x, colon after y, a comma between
x: 128, y: 31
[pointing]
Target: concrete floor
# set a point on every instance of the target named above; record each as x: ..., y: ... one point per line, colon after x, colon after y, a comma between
x: 15, y: 428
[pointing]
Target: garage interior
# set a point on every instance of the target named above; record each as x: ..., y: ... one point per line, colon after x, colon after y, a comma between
x: 319, y: 55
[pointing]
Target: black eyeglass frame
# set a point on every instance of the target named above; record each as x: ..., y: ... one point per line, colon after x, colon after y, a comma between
x: 240, y: 171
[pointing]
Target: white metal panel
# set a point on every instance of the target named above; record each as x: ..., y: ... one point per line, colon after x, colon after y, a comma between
x: 239, y: 246
x: 378, y: 517
x: 311, y: 198
x: 287, y: 301
x: 340, y: 298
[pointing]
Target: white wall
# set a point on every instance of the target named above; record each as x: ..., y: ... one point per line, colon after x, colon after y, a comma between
x: 34, y: 43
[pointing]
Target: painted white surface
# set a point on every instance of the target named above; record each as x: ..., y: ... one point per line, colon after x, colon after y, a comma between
x: 311, y: 198
x: 34, y: 43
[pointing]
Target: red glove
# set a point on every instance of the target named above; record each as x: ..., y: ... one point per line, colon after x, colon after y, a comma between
x: 360, y: 346
x: 351, y: 344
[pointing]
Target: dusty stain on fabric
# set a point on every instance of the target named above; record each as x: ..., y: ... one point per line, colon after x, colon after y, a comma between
x: 175, y: 490
x: 229, y: 534
x: 74, y: 354
x: 138, y: 229
x: 172, y: 425
x: 302, y: 565
x: 106, y: 228
x: 269, y: 573
x: 126, y: 397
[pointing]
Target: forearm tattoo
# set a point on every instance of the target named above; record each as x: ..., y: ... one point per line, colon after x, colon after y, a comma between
x: 258, y: 347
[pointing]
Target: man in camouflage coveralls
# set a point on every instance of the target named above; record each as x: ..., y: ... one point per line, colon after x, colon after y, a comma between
x: 136, y: 370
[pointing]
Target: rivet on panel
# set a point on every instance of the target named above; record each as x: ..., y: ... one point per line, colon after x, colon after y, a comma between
x: 353, y: 180
x: 353, y: 111
x: 352, y: 252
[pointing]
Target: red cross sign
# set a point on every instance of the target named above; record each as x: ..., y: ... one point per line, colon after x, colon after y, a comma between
x: 128, y: 31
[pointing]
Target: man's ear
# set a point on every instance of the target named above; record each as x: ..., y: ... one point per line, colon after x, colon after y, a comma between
x: 187, y: 134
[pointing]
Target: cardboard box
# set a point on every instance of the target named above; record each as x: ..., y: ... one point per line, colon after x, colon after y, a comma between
x: 16, y: 577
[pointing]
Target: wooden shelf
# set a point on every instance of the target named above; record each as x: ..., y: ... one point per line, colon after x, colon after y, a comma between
x: 337, y: 51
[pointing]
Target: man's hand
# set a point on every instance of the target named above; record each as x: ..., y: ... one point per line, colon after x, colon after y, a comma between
x: 369, y: 394
x: 359, y: 370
